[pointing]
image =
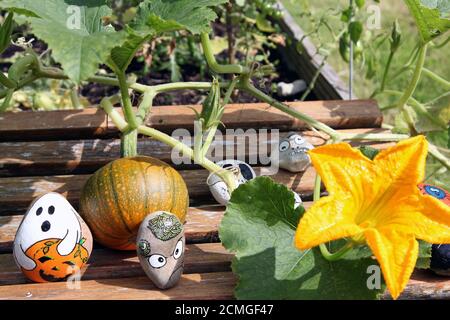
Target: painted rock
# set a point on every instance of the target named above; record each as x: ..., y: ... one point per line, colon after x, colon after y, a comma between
x: 292, y: 153
x: 440, y: 253
x: 436, y: 192
x: 52, y: 242
x: 219, y: 189
x: 297, y: 199
x: 160, y: 247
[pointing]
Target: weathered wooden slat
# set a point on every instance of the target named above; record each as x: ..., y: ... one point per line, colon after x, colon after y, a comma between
x: 110, y: 264
x: 16, y: 193
x: 203, y: 286
x: 86, y: 156
x: 92, y: 122
x: 201, y: 226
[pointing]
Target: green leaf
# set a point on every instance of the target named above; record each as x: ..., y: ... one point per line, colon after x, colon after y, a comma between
x: 219, y: 44
x: 263, y: 24
x: 424, y: 258
x: 122, y: 56
x: 355, y: 29
x: 369, y: 152
x: 157, y: 16
x: 443, y: 6
x: 175, y: 71
x: 431, y: 17
x: 360, y: 3
x: 346, y: 14
x: 5, y: 32
x: 73, y: 30
x: 259, y: 227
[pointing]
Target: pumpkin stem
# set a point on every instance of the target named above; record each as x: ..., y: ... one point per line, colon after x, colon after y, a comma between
x: 128, y: 144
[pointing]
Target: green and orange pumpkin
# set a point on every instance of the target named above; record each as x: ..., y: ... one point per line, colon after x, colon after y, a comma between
x: 117, y: 198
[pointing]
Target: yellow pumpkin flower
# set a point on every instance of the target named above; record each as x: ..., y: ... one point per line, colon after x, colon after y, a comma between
x: 376, y: 202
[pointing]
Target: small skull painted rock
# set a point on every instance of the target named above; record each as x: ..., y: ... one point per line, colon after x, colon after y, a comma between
x: 219, y: 189
x: 292, y: 153
x: 160, y: 248
x: 52, y: 242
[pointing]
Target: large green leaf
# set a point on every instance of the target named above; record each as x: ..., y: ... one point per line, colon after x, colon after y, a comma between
x: 170, y: 15
x: 431, y: 17
x: 259, y: 227
x: 155, y: 17
x: 74, y: 31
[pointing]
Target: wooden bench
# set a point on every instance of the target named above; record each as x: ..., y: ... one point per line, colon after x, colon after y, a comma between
x: 57, y: 151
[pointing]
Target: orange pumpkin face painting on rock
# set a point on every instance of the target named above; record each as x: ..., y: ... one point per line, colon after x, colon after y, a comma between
x: 52, y: 242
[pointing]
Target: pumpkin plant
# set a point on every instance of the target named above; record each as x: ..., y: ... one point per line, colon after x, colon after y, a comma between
x: 80, y: 41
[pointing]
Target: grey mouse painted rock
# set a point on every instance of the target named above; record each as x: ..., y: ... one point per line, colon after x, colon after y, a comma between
x: 292, y: 153
x: 160, y: 247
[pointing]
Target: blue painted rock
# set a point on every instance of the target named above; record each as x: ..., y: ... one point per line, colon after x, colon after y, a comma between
x: 440, y: 253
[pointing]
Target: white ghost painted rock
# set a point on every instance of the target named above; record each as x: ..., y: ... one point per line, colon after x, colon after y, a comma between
x: 292, y: 153
x: 160, y: 247
x: 52, y: 242
x: 219, y: 189
x: 297, y: 200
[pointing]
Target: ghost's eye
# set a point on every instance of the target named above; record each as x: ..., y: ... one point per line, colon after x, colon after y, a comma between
x: 157, y: 261
x: 51, y: 210
x: 299, y: 140
x: 39, y: 211
x: 284, y: 146
x: 178, y: 249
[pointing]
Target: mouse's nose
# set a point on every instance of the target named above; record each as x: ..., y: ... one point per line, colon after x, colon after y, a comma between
x: 45, y: 226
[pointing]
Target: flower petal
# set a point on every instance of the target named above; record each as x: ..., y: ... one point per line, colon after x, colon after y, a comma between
x: 433, y: 224
x: 397, y: 252
x: 404, y: 162
x: 328, y: 219
x: 340, y: 167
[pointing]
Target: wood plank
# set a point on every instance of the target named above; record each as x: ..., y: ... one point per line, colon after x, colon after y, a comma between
x: 16, y: 193
x: 201, y: 226
x: 92, y: 122
x: 86, y: 156
x: 111, y: 264
x: 202, y: 286
x: 197, y: 286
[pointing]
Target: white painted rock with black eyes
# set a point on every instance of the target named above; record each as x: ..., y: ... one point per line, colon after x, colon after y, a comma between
x: 219, y: 189
x: 52, y: 241
x: 160, y: 246
x: 292, y: 153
